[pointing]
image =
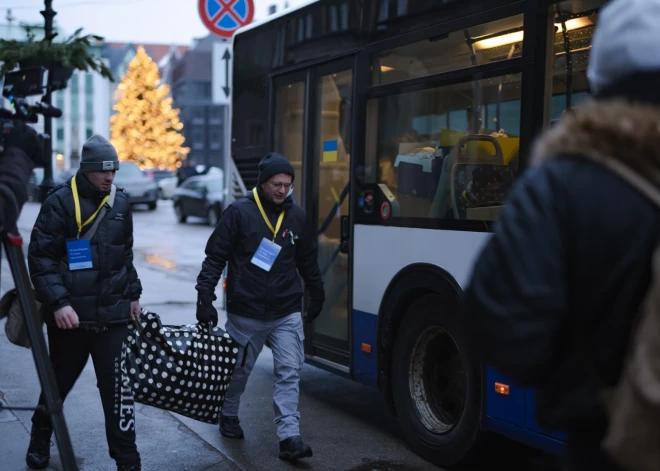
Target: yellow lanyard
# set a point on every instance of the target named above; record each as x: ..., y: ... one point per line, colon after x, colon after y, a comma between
x: 76, y: 202
x: 263, y: 214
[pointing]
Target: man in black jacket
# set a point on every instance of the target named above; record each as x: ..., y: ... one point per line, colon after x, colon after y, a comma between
x: 556, y: 291
x: 268, y: 241
x: 89, y: 291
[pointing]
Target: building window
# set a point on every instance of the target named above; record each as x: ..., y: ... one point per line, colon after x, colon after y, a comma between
x: 89, y: 133
x: 75, y: 112
x: 59, y: 99
x: 215, y: 139
x: 60, y: 134
x: 345, y: 10
x: 215, y: 115
x: 89, y: 84
x: 180, y: 92
x: 197, y: 113
x: 198, y: 138
x: 89, y: 110
x: 74, y: 83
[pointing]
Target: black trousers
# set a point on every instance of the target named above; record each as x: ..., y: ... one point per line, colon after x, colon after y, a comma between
x: 69, y: 351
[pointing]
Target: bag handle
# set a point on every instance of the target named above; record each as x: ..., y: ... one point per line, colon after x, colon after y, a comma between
x: 642, y: 184
x: 111, y: 201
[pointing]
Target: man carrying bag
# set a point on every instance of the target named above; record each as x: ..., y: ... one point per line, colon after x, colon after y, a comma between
x: 267, y: 241
x: 81, y: 265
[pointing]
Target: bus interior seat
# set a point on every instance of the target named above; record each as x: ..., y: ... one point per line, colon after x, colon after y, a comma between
x: 480, y: 186
x: 494, y: 177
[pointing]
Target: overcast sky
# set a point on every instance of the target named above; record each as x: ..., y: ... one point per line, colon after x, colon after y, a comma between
x: 147, y: 21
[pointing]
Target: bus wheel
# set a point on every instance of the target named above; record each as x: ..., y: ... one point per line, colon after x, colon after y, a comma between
x: 435, y: 383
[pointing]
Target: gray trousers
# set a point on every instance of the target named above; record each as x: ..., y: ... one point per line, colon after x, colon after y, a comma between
x: 285, y: 337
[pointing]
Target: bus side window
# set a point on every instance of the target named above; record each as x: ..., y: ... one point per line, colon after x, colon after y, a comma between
x: 421, y: 137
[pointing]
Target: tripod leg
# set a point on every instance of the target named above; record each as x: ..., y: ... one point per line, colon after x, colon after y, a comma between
x: 13, y: 244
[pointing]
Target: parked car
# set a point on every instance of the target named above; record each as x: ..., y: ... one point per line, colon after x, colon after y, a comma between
x: 200, y: 196
x: 166, y: 187
x: 169, y: 184
x: 59, y: 177
x: 140, y: 188
x: 158, y: 174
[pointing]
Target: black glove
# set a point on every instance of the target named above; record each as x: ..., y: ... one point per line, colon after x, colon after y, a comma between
x: 314, y: 309
x: 205, y: 310
x: 22, y: 136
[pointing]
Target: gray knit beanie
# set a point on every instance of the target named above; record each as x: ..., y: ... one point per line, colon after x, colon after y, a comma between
x: 626, y: 41
x: 98, y: 155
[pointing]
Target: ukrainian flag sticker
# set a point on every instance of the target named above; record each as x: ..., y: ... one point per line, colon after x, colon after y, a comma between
x: 329, y: 151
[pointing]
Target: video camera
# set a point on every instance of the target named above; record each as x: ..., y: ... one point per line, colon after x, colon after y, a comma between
x: 17, y: 87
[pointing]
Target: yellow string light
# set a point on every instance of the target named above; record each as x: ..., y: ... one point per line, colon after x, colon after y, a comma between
x: 146, y: 129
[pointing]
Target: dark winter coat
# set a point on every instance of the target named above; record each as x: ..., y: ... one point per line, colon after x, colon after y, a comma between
x: 101, y: 295
x: 15, y: 169
x: 252, y: 291
x: 558, y: 287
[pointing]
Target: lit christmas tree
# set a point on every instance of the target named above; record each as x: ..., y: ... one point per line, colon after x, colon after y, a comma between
x: 146, y: 129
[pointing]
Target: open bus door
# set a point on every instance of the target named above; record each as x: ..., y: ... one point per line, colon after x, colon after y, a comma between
x: 331, y: 93
x: 313, y: 119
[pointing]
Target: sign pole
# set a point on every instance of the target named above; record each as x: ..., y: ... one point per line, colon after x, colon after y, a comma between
x: 229, y: 167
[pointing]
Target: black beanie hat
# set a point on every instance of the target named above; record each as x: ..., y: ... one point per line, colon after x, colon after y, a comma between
x: 274, y: 164
x: 98, y: 155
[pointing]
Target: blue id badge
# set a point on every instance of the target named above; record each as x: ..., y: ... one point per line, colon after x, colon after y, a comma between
x: 79, y: 253
x: 266, y: 254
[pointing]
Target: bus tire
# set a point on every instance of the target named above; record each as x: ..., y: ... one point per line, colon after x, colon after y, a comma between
x: 431, y: 365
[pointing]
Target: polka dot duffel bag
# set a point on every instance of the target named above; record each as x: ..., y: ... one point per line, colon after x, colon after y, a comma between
x: 184, y: 369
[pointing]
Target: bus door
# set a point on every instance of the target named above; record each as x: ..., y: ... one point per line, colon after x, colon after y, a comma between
x: 329, y: 149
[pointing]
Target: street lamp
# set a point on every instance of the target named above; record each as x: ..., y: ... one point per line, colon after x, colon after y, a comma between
x: 47, y: 184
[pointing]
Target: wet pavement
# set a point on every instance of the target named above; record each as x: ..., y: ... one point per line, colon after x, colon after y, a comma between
x: 347, y: 424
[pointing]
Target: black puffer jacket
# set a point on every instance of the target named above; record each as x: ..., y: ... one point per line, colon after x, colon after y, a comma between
x: 100, y: 295
x: 558, y: 287
x: 252, y: 291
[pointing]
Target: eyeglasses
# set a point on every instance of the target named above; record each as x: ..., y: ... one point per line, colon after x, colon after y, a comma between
x: 277, y: 185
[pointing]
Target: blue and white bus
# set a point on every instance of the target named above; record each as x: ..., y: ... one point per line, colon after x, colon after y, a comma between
x: 408, y: 121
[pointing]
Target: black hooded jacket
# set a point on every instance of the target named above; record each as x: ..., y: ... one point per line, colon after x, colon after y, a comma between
x: 100, y: 295
x: 252, y: 291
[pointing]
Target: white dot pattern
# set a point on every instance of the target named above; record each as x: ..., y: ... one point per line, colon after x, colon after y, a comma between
x: 193, y: 356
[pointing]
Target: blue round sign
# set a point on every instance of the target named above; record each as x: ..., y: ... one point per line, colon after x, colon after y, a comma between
x: 224, y: 17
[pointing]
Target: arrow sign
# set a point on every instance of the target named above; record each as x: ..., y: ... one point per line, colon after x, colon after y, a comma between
x: 222, y: 73
x: 225, y: 57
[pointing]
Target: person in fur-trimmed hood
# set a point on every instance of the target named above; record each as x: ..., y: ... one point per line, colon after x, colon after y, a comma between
x: 555, y: 292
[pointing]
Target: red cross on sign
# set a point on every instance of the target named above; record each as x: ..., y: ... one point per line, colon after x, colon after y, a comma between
x: 224, y: 17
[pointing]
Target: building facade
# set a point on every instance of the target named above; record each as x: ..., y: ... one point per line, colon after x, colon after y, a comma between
x: 84, y: 114
x: 203, y: 122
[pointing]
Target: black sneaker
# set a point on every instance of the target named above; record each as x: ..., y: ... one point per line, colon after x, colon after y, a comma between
x: 293, y: 448
x: 38, y: 454
x: 230, y: 427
